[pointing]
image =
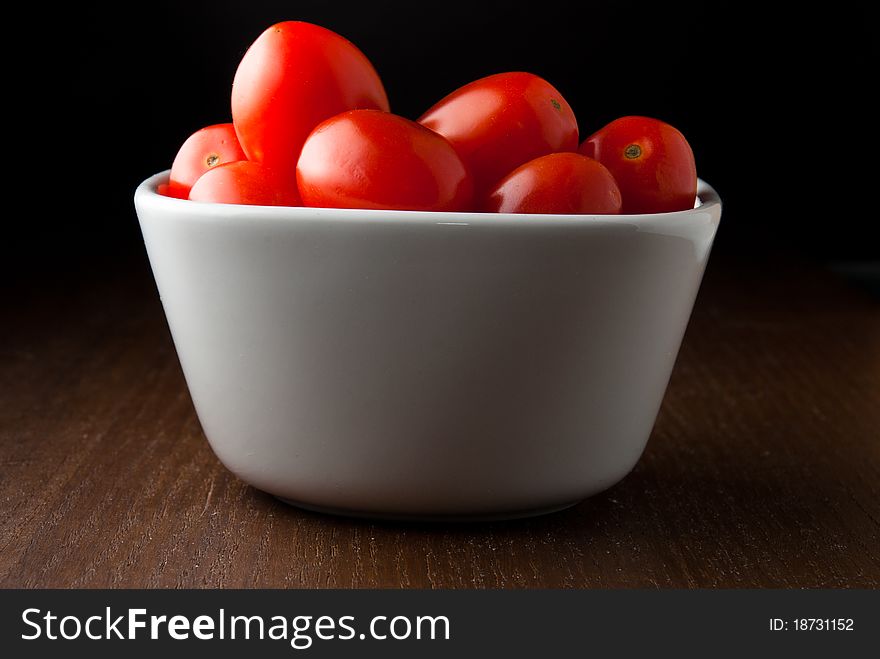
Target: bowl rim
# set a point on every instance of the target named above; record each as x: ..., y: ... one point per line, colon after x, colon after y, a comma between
x: 147, y: 194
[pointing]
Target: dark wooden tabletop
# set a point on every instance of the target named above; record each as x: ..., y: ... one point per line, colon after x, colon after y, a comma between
x: 763, y: 469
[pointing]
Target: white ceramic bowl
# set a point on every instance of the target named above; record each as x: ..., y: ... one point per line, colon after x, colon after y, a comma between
x: 421, y: 365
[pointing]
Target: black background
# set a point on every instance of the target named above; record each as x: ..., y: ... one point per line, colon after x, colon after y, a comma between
x: 772, y: 100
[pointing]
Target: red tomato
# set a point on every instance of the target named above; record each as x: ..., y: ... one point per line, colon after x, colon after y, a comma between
x: 293, y: 77
x: 204, y: 149
x: 558, y: 183
x: 651, y: 161
x: 499, y: 122
x: 245, y: 182
x: 374, y: 159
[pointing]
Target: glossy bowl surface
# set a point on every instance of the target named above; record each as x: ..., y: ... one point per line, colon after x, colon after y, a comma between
x: 425, y: 365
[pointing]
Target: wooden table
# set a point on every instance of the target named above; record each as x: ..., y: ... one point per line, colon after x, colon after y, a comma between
x: 763, y: 469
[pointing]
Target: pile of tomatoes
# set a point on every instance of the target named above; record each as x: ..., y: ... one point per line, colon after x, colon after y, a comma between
x: 311, y: 126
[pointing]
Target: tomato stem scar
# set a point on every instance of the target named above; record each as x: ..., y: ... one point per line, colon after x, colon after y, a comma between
x: 556, y: 104
x: 633, y: 151
x: 212, y: 160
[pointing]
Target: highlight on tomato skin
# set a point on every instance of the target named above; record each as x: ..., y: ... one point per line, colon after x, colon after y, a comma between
x: 311, y: 124
x: 378, y: 160
x: 651, y: 161
x: 293, y: 77
x: 501, y: 121
x: 558, y: 184
x: 245, y: 182
x: 206, y: 148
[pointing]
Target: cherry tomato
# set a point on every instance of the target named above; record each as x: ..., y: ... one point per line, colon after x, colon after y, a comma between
x: 651, y: 161
x: 374, y: 159
x: 245, y: 182
x: 293, y: 77
x: 204, y: 149
x: 558, y: 183
x: 499, y: 122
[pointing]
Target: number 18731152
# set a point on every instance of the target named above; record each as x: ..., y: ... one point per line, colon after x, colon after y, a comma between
x: 812, y: 624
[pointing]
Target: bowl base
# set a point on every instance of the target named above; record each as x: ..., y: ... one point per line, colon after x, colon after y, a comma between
x: 415, y: 517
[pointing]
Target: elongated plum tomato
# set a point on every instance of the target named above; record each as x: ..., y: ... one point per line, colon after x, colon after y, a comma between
x: 245, y: 182
x: 206, y: 148
x: 558, y: 183
x: 651, y: 161
x: 499, y: 122
x: 374, y: 159
x: 293, y: 77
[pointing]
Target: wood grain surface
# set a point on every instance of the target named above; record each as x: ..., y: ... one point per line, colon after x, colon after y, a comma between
x: 763, y: 469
